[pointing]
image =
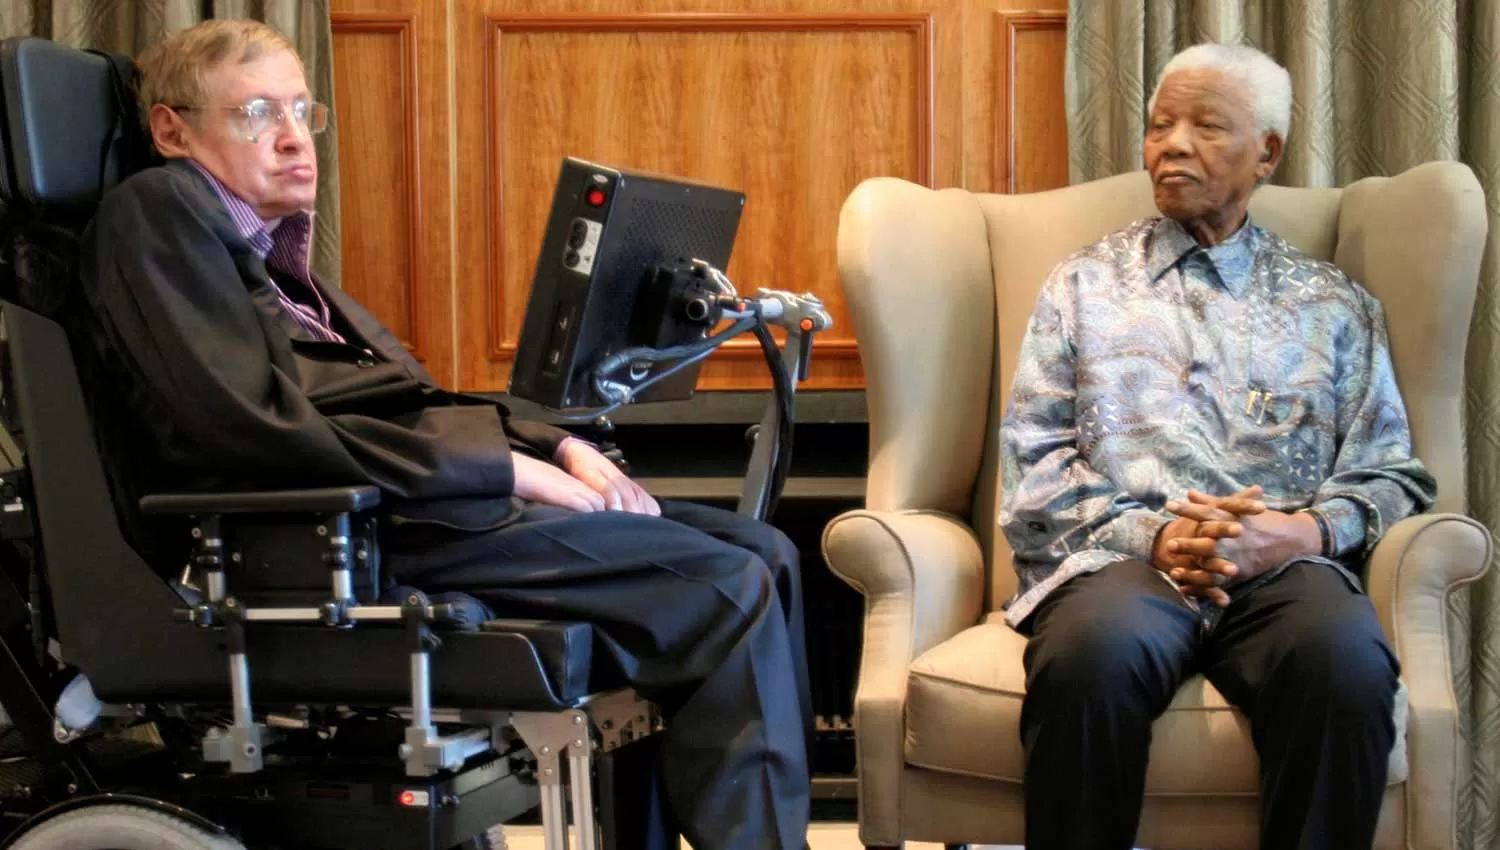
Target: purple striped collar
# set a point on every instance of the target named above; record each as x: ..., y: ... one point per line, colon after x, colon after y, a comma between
x: 286, y: 246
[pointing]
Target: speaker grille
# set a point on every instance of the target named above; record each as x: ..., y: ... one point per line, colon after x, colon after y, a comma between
x: 663, y: 231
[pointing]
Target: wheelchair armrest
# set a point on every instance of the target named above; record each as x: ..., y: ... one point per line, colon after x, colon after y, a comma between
x: 323, y: 500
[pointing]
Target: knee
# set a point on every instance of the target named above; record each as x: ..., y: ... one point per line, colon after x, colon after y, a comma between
x: 784, y: 560
x: 1342, y: 662
x: 749, y: 581
x: 778, y: 551
x: 1103, y: 661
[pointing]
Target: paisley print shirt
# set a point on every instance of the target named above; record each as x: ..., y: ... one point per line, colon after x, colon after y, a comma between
x: 1152, y: 365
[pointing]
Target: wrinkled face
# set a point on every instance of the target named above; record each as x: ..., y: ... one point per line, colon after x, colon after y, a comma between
x: 1202, y: 148
x: 270, y: 165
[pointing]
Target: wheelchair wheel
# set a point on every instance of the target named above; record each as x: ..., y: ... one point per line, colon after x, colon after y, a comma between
x: 491, y: 839
x: 119, y: 827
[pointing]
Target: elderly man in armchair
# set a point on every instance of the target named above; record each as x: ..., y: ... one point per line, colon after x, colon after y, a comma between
x: 1204, y: 442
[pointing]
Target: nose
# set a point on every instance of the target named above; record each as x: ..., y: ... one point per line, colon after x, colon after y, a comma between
x: 1179, y: 140
x: 292, y: 136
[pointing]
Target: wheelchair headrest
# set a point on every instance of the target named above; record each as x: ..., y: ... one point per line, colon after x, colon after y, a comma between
x: 71, y: 128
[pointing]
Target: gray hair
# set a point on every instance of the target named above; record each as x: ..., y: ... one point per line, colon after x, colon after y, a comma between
x: 1269, y: 84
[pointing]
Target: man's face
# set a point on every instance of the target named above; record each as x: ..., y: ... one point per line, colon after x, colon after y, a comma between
x: 274, y: 171
x: 1202, y: 148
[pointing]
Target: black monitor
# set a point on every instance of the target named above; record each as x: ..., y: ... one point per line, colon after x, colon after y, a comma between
x: 619, y: 248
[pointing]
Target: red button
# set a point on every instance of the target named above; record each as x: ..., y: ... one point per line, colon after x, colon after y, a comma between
x: 595, y: 197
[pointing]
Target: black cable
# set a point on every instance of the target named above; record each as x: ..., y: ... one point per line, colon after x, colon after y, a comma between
x: 694, y: 352
x: 782, y: 389
x: 687, y: 349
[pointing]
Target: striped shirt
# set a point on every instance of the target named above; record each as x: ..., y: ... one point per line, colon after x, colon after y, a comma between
x: 286, y: 247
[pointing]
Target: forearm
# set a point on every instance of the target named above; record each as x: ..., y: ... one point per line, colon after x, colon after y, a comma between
x: 1302, y: 537
x: 1376, y: 480
x: 1062, y: 506
x: 1359, y: 505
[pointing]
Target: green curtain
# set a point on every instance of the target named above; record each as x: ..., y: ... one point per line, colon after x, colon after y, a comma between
x: 1379, y: 86
x: 130, y: 27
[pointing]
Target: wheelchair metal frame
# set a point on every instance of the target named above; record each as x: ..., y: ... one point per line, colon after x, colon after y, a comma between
x: 605, y: 721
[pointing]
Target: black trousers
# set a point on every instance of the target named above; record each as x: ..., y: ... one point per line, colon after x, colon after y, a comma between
x: 1302, y: 656
x: 700, y: 610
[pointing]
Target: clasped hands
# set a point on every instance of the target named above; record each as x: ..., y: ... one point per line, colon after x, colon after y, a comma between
x: 1218, y: 541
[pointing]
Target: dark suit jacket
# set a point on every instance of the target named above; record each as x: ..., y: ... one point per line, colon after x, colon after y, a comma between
x: 204, y: 383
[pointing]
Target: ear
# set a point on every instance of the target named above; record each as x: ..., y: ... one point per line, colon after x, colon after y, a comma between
x: 169, y: 132
x: 1271, y: 148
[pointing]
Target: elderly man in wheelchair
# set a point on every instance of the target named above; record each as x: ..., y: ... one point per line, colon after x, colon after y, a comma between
x: 406, y: 616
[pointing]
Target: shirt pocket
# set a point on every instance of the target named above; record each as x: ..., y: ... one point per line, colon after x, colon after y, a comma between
x: 1293, y: 429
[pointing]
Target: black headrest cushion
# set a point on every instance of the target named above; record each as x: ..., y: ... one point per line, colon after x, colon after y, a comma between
x: 72, y: 128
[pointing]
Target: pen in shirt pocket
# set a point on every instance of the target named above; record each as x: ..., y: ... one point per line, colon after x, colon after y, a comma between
x: 1260, y: 403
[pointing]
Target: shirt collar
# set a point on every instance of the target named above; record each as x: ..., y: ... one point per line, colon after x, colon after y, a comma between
x: 255, y: 230
x: 1233, y: 258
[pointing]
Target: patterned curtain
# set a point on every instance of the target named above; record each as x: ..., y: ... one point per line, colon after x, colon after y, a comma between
x: 1379, y: 86
x: 130, y: 26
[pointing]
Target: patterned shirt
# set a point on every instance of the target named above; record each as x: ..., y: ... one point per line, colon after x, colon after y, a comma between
x: 286, y: 247
x: 1152, y: 365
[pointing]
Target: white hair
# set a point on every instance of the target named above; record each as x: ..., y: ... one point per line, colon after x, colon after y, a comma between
x: 1268, y: 84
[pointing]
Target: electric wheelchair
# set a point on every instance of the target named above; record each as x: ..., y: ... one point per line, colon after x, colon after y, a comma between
x: 278, y: 694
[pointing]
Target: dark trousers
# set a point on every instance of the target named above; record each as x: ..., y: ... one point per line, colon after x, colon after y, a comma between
x: 700, y: 611
x: 1302, y: 656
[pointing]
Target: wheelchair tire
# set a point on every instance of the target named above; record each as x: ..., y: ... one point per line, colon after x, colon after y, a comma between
x: 491, y: 839
x: 121, y: 827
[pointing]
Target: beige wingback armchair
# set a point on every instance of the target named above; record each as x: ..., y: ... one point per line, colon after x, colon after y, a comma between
x: 940, y: 285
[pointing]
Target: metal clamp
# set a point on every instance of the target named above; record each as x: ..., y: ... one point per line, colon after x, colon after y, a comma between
x: 424, y: 751
x: 243, y: 747
x: 340, y: 561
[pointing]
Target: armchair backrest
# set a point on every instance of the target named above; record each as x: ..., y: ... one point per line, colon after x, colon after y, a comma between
x: 913, y: 271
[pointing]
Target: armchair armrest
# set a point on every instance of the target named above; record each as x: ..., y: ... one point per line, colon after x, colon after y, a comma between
x: 922, y: 576
x: 1418, y: 563
x: 323, y: 500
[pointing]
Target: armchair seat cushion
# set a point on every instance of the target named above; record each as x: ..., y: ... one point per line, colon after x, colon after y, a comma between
x: 963, y: 716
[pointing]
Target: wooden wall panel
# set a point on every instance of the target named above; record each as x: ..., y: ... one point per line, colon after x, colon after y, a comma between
x: 748, y: 102
x: 1012, y: 90
x: 1032, y: 132
x: 390, y: 73
x: 454, y: 116
x: 381, y: 210
x: 794, y: 109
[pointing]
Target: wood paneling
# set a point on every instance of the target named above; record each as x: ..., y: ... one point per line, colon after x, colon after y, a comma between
x: 1032, y: 48
x: 391, y: 80
x: 380, y: 186
x: 793, y: 109
x: 1000, y: 58
x: 455, y: 114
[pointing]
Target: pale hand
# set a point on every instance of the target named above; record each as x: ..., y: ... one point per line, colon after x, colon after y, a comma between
x: 540, y: 481
x: 599, y: 474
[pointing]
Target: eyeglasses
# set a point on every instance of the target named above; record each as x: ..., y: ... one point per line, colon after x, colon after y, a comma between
x: 261, y: 115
